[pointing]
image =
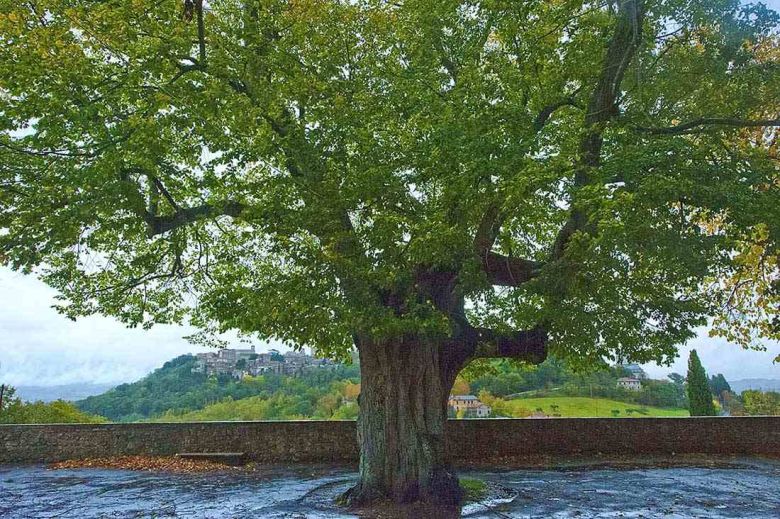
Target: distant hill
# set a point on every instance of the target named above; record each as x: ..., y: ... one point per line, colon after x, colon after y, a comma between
x: 174, y: 389
x: 174, y: 392
x: 762, y: 384
x: 170, y: 386
x: 60, y: 392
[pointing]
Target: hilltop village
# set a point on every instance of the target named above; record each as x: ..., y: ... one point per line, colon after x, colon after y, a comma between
x: 239, y: 363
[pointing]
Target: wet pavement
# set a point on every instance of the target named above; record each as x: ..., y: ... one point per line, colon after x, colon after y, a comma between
x: 747, y: 489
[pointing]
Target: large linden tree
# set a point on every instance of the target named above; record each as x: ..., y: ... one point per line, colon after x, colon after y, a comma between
x: 428, y: 181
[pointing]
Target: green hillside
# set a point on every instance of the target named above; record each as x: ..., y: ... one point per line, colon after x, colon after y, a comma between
x: 331, y: 405
x: 172, y: 385
x: 16, y: 411
x: 174, y: 393
x: 576, y: 406
x: 174, y: 389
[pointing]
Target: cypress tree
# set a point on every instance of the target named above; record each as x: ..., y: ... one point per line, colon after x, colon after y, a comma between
x: 719, y: 384
x: 699, y: 396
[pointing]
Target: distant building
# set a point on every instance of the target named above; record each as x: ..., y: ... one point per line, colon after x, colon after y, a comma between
x: 470, y: 405
x: 239, y: 363
x: 481, y: 411
x: 629, y: 383
x: 635, y: 370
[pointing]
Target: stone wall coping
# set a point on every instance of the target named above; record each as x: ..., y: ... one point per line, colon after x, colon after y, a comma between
x: 480, y: 420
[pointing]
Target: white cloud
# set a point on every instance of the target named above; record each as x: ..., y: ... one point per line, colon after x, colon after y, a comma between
x: 720, y: 356
x: 38, y: 346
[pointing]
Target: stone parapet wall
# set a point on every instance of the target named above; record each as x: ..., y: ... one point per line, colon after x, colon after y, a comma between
x: 468, y: 440
x: 615, y: 436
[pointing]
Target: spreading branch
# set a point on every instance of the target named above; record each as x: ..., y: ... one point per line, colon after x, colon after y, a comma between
x: 201, y: 31
x: 505, y: 270
x: 184, y: 216
x: 162, y: 189
x: 196, y: 7
x: 501, y: 270
x: 544, y: 115
x: 181, y: 216
x: 602, y: 107
x: 526, y: 345
x: 487, y: 230
x: 698, y: 125
x: 509, y: 271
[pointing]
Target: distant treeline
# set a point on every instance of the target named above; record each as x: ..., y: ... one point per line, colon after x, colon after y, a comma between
x: 174, y: 393
x: 554, y: 378
x: 174, y: 390
x: 14, y: 410
x: 753, y: 403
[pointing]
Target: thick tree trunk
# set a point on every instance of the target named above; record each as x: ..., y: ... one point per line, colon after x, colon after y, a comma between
x: 403, y: 413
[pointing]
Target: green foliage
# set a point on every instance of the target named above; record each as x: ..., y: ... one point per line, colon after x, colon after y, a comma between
x: 306, y: 159
x: 7, y: 396
x: 662, y: 394
x: 277, y: 407
x: 555, y: 377
x: 346, y: 411
x: 175, y: 393
x: 761, y: 403
x: 175, y: 389
x: 504, y: 378
x: 296, y: 400
x: 719, y: 384
x: 699, y: 395
x: 500, y: 407
x: 474, y: 490
x: 15, y: 411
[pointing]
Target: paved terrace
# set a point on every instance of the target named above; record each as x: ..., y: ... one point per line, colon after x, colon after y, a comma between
x: 742, y: 489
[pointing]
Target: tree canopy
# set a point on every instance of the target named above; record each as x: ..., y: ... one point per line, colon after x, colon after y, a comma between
x: 292, y: 169
x: 719, y: 384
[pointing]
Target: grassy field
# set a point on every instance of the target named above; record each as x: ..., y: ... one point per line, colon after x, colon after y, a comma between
x: 575, y: 406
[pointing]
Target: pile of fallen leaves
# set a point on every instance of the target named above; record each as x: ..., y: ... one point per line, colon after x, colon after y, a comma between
x: 148, y: 463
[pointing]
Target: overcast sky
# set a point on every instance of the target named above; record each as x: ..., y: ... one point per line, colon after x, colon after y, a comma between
x: 38, y: 346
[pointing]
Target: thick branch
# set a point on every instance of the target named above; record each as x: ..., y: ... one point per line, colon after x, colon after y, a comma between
x: 201, y: 31
x: 160, y: 224
x: 508, y: 271
x: 505, y: 270
x: 527, y: 345
x: 501, y: 270
x: 547, y: 111
x: 162, y: 189
x: 602, y: 108
x: 487, y: 230
x: 697, y: 124
x: 163, y: 224
x: 621, y: 50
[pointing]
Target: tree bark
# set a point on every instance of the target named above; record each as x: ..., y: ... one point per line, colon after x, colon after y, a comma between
x: 405, y: 385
